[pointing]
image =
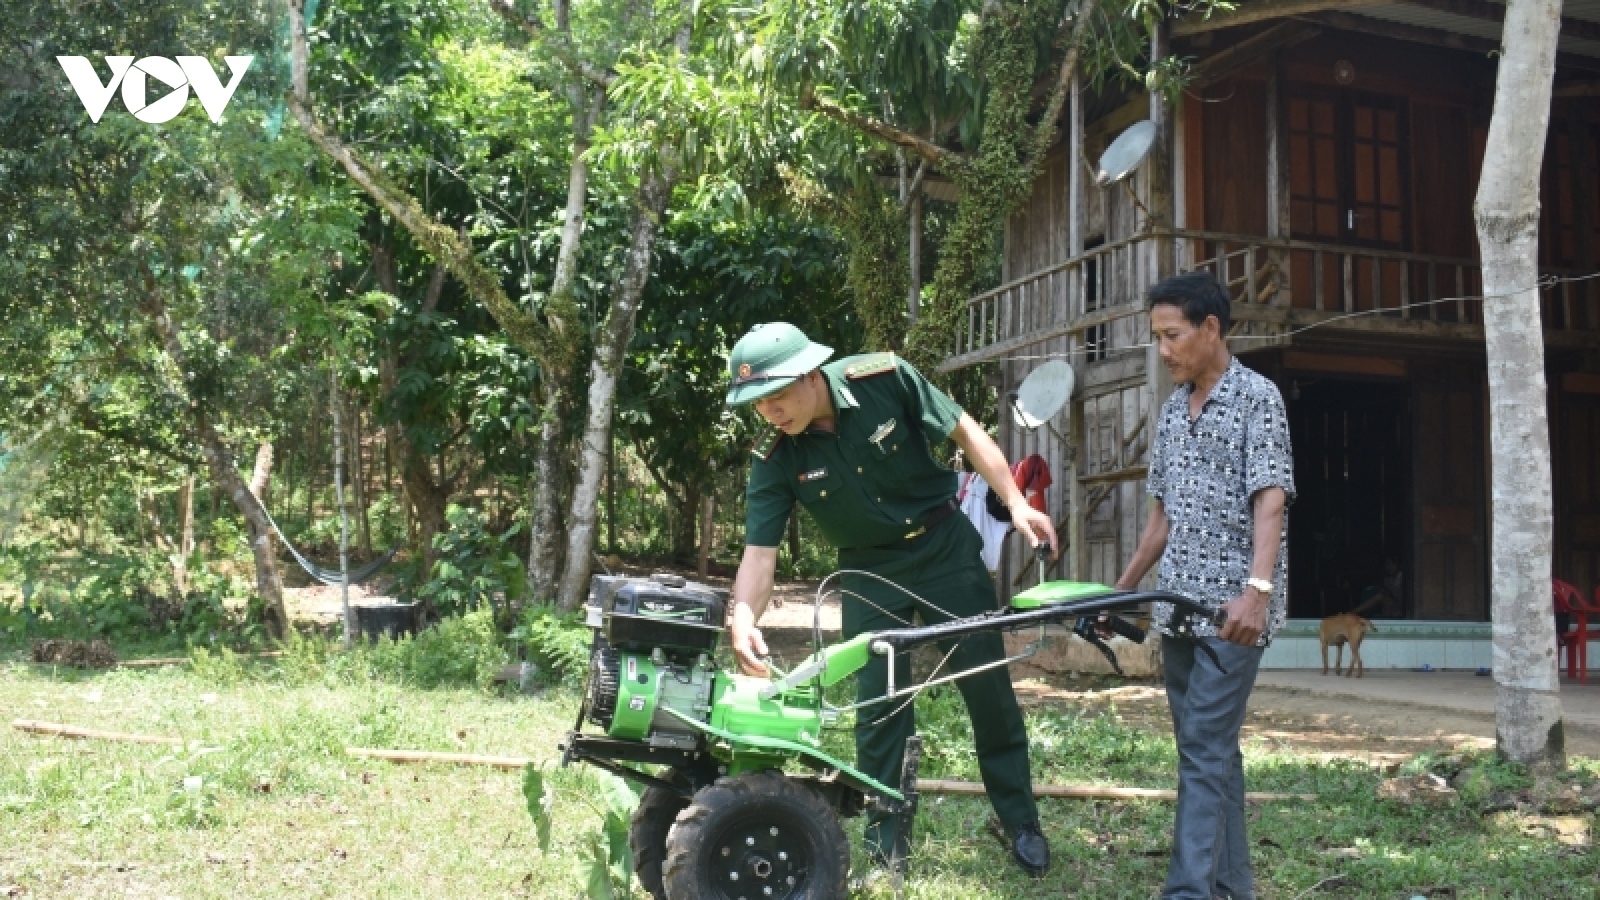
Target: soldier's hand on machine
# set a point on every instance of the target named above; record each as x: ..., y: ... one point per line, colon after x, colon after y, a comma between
x: 749, y: 647
x: 1035, y: 527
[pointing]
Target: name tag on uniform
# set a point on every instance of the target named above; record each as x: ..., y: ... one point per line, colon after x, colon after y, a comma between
x: 814, y: 474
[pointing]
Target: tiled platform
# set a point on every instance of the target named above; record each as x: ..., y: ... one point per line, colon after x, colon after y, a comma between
x: 1398, y: 645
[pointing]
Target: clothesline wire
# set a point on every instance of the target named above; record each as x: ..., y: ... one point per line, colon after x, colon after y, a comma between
x: 1545, y: 282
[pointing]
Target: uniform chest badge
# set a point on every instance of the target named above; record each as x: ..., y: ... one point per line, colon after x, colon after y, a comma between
x: 881, y: 432
x: 814, y: 474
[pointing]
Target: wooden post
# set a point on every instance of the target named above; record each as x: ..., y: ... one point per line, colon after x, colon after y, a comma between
x: 1077, y: 524
x: 1278, y: 221
x: 1075, y: 175
x: 1160, y: 202
x: 1078, y: 290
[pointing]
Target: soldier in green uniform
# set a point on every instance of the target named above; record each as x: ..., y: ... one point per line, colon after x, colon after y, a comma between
x: 852, y: 442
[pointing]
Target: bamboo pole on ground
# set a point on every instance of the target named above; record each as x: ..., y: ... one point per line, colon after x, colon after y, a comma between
x: 418, y: 756
x: 55, y: 729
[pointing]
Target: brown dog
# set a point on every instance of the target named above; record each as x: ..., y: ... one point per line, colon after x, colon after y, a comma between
x: 1336, y: 631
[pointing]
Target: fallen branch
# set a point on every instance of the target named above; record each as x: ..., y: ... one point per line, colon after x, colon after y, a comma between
x: 1088, y: 791
x: 416, y: 756
x: 72, y: 731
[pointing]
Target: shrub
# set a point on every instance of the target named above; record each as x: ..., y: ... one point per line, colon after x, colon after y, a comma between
x: 557, y: 643
x: 475, y: 568
x: 459, y: 650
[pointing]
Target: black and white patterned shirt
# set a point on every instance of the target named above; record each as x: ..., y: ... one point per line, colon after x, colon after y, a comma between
x: 1205, y: 472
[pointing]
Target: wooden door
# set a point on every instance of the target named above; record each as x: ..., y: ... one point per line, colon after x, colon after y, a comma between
x: 1375, y: 214
x: 1348, y: 154
x: 1451, y: 559
x: 1316, y: 201
x: 1577, y: 492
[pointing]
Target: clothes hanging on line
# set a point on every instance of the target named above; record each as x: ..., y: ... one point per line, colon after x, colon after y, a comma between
x: 972, y: 497
x: 1033, y: 478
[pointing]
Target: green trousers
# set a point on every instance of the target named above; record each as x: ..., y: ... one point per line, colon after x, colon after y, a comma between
x: 944, y: 568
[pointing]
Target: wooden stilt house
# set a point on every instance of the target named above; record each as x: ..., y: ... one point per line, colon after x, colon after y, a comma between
x: 1322, y: 164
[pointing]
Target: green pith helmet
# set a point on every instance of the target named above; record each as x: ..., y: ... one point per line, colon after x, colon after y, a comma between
x: 769, y: 359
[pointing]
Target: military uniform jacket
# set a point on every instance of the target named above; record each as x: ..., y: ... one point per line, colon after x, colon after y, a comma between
x: 872, y: 480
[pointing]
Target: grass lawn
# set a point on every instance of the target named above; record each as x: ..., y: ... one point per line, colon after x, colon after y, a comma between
x: 265, y: 803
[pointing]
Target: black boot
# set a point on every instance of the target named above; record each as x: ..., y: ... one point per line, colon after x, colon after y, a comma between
x: 1030, y: 848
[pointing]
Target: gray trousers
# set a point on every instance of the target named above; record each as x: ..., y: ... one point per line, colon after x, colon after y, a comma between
x: 1210, y: 852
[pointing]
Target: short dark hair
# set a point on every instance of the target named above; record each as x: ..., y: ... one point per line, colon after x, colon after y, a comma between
x: 1197, y: 295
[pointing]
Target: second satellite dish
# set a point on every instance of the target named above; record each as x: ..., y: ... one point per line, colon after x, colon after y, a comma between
x: 1042, y: 394
x: 1126, y: 153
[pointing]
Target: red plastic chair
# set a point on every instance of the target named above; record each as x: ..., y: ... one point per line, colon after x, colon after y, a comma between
x: 1576, y: 641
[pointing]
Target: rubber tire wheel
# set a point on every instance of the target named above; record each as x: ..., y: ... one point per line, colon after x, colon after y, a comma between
x: 810, y: 825
x: 647, y: 838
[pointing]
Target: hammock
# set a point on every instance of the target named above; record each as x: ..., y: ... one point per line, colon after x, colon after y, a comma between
x: 331, y: 576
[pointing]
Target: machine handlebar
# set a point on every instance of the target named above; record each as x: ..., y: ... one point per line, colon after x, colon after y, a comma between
x: 1185, y: 613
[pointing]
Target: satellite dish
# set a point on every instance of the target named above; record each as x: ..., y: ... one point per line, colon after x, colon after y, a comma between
x: 1126, y: 153
x: 1042, y: 394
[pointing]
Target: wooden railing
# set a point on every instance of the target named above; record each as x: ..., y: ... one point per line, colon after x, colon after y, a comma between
x: 1318, y: 282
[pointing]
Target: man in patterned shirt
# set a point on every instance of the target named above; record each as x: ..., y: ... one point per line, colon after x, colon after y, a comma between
x: 1221, y: 476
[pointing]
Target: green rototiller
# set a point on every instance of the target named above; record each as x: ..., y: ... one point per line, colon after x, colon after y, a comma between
x: 740, y: 801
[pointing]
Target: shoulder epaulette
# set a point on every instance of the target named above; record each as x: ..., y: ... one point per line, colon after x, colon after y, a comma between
x: 867, y: 366
x: 766, y: 443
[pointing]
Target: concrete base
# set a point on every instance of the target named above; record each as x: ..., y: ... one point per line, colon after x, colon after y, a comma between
x: 1453, y: 691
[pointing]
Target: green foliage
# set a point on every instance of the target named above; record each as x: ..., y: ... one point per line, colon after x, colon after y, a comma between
x: 875, y: 229
x: 460, y: 650
x: 558, y: 643
x: 541, y: 799
x: 609, y: 799
x: 475, y: 568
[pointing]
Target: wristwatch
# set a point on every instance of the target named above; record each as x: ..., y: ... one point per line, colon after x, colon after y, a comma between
x: 1260, y: 584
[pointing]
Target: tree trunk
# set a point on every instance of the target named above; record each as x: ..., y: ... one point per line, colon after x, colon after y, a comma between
x: 312, y: 441
x: 358, y: 480
x: 914, y: 258
x: 708, y: 531
x: 683, y: 524
x: 1528, y: 701
x: 180, y: 560
x: 428, y: 498
x: 611, y: 346
x: 611, y: 494
x: 267, y: 581
x: 338, y: 496
x: 225, y: 477
x: 547, y: 537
